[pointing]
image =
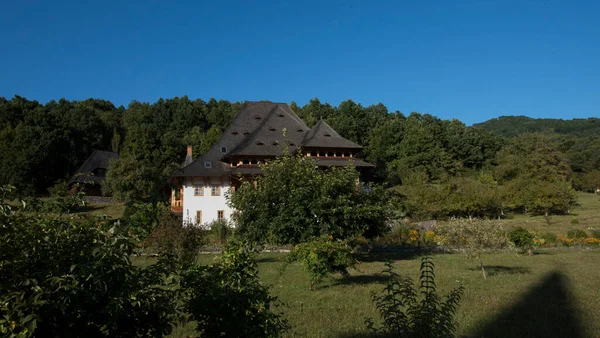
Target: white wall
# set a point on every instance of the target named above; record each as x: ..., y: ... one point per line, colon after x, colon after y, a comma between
x: 208, y: 204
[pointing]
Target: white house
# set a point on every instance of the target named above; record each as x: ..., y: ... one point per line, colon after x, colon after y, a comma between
x: 257, y: 134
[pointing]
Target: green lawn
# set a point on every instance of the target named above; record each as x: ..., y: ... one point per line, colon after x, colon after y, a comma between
x: 587, y: 214
x: 114, y: 210
x: 554, y: 293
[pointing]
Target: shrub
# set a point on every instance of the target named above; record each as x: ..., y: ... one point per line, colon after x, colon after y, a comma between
x: 475, y: 237
x: 522, y: 238
x: 595, y: 233
x: 322, y: 257
x: 220, y: 231
x: 549, y: 238
x: 59, y: 189
x: 172, y: 236
x: 142, y: 218
x: 405, y: 315
x: 226, y: 299
x: 59, y: 278
x: 576, y: 234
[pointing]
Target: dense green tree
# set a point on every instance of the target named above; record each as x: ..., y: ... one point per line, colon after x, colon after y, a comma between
x: 295, y: 201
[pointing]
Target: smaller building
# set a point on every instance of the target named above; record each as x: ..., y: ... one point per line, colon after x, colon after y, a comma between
x: 92, y: 173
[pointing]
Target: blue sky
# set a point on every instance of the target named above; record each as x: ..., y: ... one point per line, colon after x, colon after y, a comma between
x: 471, y: 60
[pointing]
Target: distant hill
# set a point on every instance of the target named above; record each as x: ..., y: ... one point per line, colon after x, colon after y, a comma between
x: 511, y: 126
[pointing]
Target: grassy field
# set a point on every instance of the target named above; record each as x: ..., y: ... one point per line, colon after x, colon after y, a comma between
x: 554, y: 293
x: 583, y: 216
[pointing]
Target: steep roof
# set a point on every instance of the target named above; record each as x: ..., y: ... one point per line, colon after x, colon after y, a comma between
x: 268, y: 138
x: 94, y: 168
x: 321, y: 135
x: 257, y: 130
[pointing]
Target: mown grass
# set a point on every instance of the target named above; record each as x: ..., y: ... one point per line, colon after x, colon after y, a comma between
x: 585, y: 213
x: 554, y: 293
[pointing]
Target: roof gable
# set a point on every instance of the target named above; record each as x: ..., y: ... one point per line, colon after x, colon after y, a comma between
x: 99, y: 159
x: 321, y: 135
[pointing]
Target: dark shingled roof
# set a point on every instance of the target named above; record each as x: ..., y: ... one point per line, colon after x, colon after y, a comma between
x: 94, y: 168
x: 257, y: 130
x: 268, y: 139
x: 323, y: 136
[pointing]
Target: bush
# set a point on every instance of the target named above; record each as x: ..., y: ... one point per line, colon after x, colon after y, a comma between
x: 59, y: 189
x: 142, y: 218
x: 522, y: 238
x: 322, y: 257
x: 475, y: 237
x: 220, y: 231
x: 227, y: 300
x: 171, y: 235
x: 576, y: 234
x: 595, y: 233
x: 405, y: 315
x: 549, y: 238
x: 59, y: 278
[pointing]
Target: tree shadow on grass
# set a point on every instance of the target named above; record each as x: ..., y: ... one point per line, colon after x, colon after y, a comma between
x: 547, y: 310
x: 493, y: 270
x: 267, y: 260
x: 87, y: 208
x: 384, y: 256
x: 363, y: 279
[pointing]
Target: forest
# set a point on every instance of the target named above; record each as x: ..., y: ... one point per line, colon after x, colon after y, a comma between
x: 433, y: 167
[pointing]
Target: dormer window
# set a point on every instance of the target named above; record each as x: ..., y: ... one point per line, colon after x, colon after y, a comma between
x: 300, y: 130
x: 257, y: 118
x: 234, y: 133
x: 275, y: 143
x: 260, y: 143
x: 223, y: 150
x: 281, y: 115
x: 327, y: 135
x: 246, y: 133
x: 207, y: 164
x: 292, y: 145
x: 272, y: 129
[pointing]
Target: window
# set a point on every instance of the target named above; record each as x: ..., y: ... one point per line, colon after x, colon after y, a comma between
x: 223, y: 150
x: 220, y: 215
x: 207, y: 164
x: 199, y: 217
x: 198, y: 190
x: 215, y: 190
x: 260, y: 143
x: 234, y: 133
x: 313, y: 153
x: 327, y: 135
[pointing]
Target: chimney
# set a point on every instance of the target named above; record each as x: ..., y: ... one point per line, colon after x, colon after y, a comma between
x: 188, y: 157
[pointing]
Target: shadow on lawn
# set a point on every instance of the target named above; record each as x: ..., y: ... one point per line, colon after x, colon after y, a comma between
x: 363, y: 279
x: 383, y: 256
x: 494, y: 270
x: 547, y: 310
x: 267, y: 259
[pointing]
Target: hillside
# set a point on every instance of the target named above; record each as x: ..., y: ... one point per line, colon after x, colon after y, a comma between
x: 510, y: 126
